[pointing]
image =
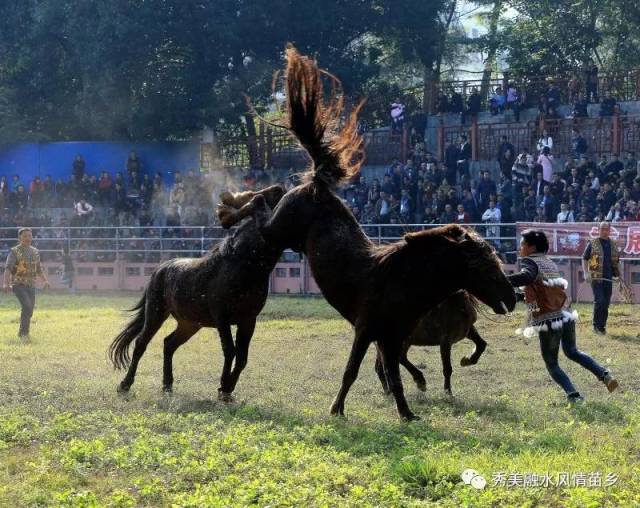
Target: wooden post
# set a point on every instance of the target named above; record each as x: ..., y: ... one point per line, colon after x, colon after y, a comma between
x: 269, y: 147
x: 404, y: 144
x: 474, y: 139
x: 261, y: 143
x: 440, y: 140
x: 615, y: 134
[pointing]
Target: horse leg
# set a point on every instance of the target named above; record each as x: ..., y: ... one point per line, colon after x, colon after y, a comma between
x: 243, y: 339
x: 358, y: 350
x: 155, y: 315
x: 391, y: 351
x: 380, y: 372
x: 445, y: 354
x: 415, y: 372
x: 480, y: 346
x: 229, y: 351
x: 173, y: 341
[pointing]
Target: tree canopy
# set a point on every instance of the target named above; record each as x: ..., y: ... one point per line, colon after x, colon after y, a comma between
x: 163, y: 69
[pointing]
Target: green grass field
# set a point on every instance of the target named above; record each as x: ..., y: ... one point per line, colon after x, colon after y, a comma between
x: 68, y: 439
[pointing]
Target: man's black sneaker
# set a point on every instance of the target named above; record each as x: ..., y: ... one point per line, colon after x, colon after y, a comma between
x: 575, y: 398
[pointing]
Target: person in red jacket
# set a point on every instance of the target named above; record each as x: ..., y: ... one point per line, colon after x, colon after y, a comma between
x: 462, y: 217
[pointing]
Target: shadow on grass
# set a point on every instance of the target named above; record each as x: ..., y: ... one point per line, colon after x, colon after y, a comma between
x: 495, y: 410
x: 600, y: 412
x: 351, y: 434
x: 625, y: 338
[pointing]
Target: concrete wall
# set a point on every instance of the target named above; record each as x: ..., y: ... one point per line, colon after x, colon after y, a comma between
x: 40, y: 159
x: 292, y: 277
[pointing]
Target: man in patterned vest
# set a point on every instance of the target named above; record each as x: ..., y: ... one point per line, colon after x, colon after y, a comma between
x: 549, y: 314
x: 601, y: 265
x: 20, y: 273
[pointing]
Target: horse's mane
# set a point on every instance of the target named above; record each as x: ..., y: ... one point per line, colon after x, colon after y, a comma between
x: 386, y: 255
x: 336, y: 150
x: 436, y: 242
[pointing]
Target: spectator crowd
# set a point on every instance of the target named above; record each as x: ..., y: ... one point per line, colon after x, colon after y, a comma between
x: 547, y: 95
x: 134, y: 199
x: 422, y: 190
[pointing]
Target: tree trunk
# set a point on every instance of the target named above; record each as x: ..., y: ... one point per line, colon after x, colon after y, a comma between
x: 490, y: 61
x: 252, y: 141
x: 431, y: 75
x: 428, y: 91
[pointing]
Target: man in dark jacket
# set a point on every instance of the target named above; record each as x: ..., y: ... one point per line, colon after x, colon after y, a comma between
x: 451, y: 156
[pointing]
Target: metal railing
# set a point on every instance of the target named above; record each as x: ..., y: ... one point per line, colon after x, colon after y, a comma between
x: 622, y: 84
x: 153, y: 244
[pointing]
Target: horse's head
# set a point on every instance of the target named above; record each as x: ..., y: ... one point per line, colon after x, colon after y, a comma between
x: 473, y: 262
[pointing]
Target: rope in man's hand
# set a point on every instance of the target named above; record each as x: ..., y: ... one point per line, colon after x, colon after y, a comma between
x: 625, y: 291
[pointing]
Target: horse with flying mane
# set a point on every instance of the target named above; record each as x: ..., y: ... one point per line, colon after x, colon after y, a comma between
x: 383, y: 291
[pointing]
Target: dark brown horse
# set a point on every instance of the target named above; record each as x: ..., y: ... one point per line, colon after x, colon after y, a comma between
x: 383, y: 291
x: 448, y: 323
x: 228, y: 286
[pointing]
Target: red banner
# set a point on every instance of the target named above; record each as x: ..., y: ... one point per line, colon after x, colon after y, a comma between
x: 571, y: 239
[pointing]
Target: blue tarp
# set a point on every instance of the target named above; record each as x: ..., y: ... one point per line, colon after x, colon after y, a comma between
x: 40, y: 159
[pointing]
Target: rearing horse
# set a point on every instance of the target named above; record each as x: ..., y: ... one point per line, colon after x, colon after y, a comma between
x: 383, y: 291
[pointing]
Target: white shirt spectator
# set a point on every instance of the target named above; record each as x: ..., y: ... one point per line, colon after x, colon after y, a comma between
x: 614, y: 215
x: 493, y: 215
x: 546, y: 161
x: 397, y: 111
x: 545, y: 141
x: 83, y: 208
x: 565, y: 216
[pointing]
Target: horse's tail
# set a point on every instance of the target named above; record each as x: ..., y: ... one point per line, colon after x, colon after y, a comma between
x: 119, y: 348
x: 336, y: 150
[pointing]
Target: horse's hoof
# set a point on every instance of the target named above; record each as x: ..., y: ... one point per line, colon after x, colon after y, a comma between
x: 123, y: 388
x: 225, y: 397
x: 422, y: 386
x: 336, y: 410
x: 448, y: 394
x: 465, y: 361
x: 410, y: 417
x: 167, y: 388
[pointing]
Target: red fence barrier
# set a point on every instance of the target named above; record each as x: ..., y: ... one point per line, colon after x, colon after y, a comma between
x: 570, y: 240
x: 604, y: 136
